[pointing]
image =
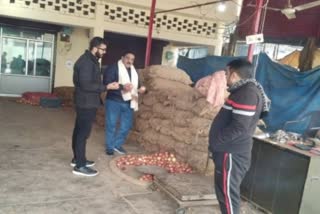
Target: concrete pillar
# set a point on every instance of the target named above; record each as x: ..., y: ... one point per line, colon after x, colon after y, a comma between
x: 218, y: 48
x: 211, y: 50
x: 170, y: 55
x: 218, y: 44
x: 96, y: 31
x: 98, y: 28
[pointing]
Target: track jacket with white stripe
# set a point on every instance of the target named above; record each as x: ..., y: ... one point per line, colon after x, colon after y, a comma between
x: 234, y: 126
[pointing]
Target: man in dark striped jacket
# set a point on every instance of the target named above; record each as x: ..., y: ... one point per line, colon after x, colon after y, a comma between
x: 230, y: 138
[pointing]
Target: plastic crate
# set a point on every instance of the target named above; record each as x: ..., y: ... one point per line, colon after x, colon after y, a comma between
x: 50, y: 102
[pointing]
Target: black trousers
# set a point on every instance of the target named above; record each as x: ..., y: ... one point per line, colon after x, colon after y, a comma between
x: 230, y: 170
x: 81, y: 132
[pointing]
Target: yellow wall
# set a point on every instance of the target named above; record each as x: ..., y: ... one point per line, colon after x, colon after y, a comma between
x: 66, y: 56
x: 93, y: 17
x: 99, y: 22
x: 206, y: 12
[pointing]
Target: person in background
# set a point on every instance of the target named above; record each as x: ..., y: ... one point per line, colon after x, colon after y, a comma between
x: 3, y: 62
x: 88, y: 86
x: 121, y: 103
x: 230, y: 138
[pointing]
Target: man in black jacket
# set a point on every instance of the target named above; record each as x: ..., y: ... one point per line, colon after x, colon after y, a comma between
x: 230, y: 138
x: 88, y: 87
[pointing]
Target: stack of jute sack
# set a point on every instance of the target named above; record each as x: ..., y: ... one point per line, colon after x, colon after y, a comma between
x: 173, y: 116
x: 66, y: 94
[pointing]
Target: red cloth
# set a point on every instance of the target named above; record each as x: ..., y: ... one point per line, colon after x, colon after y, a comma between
x: 34, y: 97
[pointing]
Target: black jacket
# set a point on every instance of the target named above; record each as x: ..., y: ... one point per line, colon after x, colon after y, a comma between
x: 234, y: 126
x: 87, y: 81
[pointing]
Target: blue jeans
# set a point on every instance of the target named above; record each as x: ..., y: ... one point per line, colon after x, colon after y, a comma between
x: 116, y: 134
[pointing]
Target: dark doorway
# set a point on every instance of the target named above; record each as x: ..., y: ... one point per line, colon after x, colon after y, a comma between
x: 117, y: 43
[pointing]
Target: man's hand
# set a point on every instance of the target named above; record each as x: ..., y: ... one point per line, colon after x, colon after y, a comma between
x: 127, y: 87
x: 113, y: 86
x: 142, y: 90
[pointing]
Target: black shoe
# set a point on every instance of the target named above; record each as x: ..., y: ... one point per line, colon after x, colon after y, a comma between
x: 85, y: 171
x: 109, y: 152
x: 88, y: 163
x: 120, y: 150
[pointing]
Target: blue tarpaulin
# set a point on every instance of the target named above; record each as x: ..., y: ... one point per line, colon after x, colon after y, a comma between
x: 294, y: 95
x: 198, y: 68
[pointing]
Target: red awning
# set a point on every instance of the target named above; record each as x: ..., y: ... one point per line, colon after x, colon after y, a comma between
x: 278, y: 26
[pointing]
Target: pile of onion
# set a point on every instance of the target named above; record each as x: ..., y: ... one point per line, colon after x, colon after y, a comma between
x: 165, y: 160
x: 29, y: 102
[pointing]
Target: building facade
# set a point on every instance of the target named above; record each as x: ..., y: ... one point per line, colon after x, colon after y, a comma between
x: 45, y: 60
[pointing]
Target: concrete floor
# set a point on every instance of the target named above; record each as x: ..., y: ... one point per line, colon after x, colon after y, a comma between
x: 35, y: 175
